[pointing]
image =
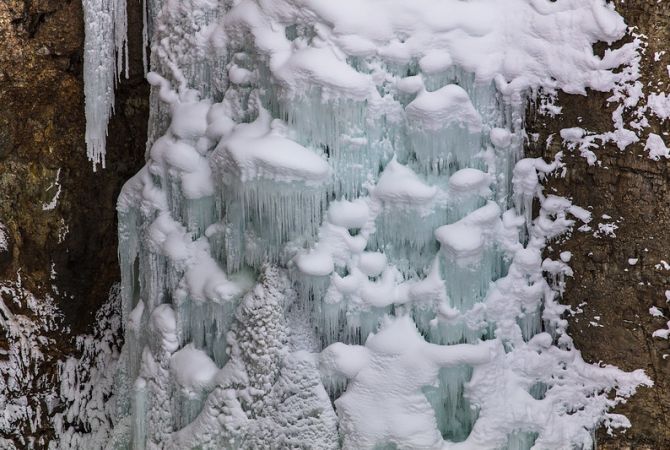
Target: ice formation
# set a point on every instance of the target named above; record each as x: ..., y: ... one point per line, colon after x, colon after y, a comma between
x: 333, y: 242
x: 105, y: 56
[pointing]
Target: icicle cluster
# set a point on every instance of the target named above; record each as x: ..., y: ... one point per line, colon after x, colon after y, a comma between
x: 338, y: 204
x: 105, y: 56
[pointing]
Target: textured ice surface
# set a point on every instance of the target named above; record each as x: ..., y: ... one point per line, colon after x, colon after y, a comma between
x: 335, y: 208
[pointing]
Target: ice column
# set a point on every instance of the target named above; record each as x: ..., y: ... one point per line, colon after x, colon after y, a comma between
x: 105, y: 56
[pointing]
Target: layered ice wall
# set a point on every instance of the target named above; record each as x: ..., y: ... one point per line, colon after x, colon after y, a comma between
x: 333, y: 244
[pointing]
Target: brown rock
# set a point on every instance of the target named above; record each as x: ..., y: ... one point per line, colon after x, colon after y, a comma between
x: 42, y: 140
x: 615, y: 326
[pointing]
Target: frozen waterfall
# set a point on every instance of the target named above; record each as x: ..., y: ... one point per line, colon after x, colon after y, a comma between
x: 333, y: 243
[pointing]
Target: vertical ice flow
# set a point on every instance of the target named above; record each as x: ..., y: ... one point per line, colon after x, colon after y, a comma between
x: 105, y: 57
x: 342, y: 204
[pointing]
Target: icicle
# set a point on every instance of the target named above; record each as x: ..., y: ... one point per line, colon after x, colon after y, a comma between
x: 454, y: 414
x: 145, y: 36
x: 139, y: 413
x: 105, y: 56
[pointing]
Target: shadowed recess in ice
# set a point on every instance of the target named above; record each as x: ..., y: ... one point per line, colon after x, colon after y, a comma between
x: 332, y: 243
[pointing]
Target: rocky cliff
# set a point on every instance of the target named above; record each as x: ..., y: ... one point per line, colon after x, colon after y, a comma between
x: 59, y: 213
x: 59, y: 216
x: 619, y: 273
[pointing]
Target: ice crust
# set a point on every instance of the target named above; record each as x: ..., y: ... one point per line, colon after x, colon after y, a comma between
x: 342, y: 204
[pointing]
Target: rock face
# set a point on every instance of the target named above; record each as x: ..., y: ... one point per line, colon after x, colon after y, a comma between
x: 59, y: 216
x: 617, y: 279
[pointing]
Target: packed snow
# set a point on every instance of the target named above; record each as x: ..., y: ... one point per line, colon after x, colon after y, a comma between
x: 656, y: 147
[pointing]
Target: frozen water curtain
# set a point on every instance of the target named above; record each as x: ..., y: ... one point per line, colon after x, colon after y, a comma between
x: 336, y: 241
